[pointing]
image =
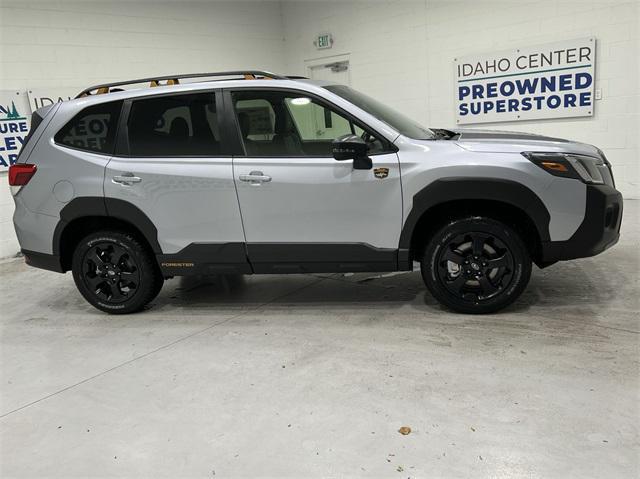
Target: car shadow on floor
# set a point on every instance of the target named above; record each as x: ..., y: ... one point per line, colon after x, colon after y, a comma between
x: 563, y: 285
x: 293, y: 290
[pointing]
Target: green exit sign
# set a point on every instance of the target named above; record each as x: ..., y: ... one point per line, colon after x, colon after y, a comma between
x: 324, y: 41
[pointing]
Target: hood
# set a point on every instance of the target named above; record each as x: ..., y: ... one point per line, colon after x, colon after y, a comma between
x: 492, y: 141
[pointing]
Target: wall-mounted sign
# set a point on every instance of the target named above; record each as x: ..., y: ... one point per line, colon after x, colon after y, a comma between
x: 14, y: 125
x: 39, y: 98
x: 555, y: 80
x: 324, y: 40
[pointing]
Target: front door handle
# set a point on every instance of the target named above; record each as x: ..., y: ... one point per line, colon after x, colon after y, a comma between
x: 126, y: 179
x: 255, y: 178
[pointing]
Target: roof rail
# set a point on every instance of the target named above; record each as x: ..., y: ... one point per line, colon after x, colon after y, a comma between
x: 175, y: 79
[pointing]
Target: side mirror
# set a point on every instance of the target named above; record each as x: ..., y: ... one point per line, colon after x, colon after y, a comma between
x: 352, y: 147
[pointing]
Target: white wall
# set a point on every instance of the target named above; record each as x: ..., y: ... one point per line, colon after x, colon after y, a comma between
x: 59, y: 43
x: 402, y: 53
x: 49, y: 44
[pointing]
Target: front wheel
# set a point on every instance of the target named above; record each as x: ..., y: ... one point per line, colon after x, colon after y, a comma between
x: 476, y: 265
x: 115, y: 272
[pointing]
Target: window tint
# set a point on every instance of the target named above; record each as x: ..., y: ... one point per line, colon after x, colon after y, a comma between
x: 176, y: 125
x: 93, y: 129
x: 285, y: 124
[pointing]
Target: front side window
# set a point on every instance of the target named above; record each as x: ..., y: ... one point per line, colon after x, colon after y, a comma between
x: 174, y: 125
x: 93, y: 129
x: 287, y: 124
x: 394, y: 119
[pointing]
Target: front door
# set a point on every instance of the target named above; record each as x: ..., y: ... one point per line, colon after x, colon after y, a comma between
x: 301, y: 209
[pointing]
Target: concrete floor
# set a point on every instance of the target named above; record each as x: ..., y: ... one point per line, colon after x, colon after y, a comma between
x: 310, y: 376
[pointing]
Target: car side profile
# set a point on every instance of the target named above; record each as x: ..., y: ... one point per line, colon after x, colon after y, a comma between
x: 251, y: 172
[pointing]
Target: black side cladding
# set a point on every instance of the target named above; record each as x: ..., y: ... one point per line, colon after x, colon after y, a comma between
x: 95, y: 206
x: 279, y: 258
x: 206, y: 258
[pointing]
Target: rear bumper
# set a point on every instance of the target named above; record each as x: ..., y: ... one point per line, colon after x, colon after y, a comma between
x: 34, y: 230
x: 46, y: 261
x: 599, y: 230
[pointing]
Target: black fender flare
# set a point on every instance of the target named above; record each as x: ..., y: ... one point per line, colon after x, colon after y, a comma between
x: 95, y: 206
x: 465, y: 188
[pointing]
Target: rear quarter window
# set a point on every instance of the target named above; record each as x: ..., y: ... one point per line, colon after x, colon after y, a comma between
x: 93, y: 129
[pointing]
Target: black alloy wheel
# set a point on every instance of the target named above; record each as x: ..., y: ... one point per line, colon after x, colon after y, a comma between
x: 111, y: 272
x: 115, y: 272
x: 476, y: 265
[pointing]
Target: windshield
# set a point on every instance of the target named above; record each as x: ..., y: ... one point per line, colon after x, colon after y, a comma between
x: 394, y: 119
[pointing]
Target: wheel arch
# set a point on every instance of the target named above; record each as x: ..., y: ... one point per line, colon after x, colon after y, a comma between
x: 504, y: 200
x: 83, y: 215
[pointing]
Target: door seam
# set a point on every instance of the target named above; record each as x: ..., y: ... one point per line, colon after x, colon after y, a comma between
x: 244, y: 233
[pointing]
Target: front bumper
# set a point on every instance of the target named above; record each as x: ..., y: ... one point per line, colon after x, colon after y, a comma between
x: 599, y: 230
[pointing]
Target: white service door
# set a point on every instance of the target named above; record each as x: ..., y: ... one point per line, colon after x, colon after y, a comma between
x: 335, y: 72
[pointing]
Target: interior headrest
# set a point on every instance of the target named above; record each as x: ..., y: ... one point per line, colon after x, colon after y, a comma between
x: 179, y: 128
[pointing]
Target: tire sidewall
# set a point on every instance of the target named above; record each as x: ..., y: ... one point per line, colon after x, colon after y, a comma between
x: 138, y: 300
x: 510, y: 238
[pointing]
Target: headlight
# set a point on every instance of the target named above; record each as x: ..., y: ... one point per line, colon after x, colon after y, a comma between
x: 569, y: 165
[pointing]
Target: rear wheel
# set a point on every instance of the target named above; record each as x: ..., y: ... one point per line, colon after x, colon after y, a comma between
x: 476, y: 265
x: 115, y: 272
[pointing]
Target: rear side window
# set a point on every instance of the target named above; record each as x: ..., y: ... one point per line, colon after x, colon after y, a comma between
x: 93, y: 129
x: 175, y: 125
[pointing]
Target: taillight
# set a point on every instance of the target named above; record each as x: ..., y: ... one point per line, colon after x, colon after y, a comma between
x: 20, y: 174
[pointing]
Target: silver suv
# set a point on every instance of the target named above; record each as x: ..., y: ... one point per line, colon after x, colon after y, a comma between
x: 252, y: 172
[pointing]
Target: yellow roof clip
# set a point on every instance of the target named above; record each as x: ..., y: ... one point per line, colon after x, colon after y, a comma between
x: 171, y: 81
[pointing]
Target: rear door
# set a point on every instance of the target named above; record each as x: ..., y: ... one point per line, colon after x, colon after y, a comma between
x: 170, y: 163
x: 302, y: 210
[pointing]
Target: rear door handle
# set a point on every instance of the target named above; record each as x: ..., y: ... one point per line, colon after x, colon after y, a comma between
x: 255, y: 178
x: 126, y: 179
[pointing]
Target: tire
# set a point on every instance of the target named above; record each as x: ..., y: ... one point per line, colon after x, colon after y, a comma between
x: 115, y: 272
x: 476, y: 265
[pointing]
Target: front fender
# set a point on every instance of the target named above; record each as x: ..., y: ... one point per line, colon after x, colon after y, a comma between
x: 462, y: 188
